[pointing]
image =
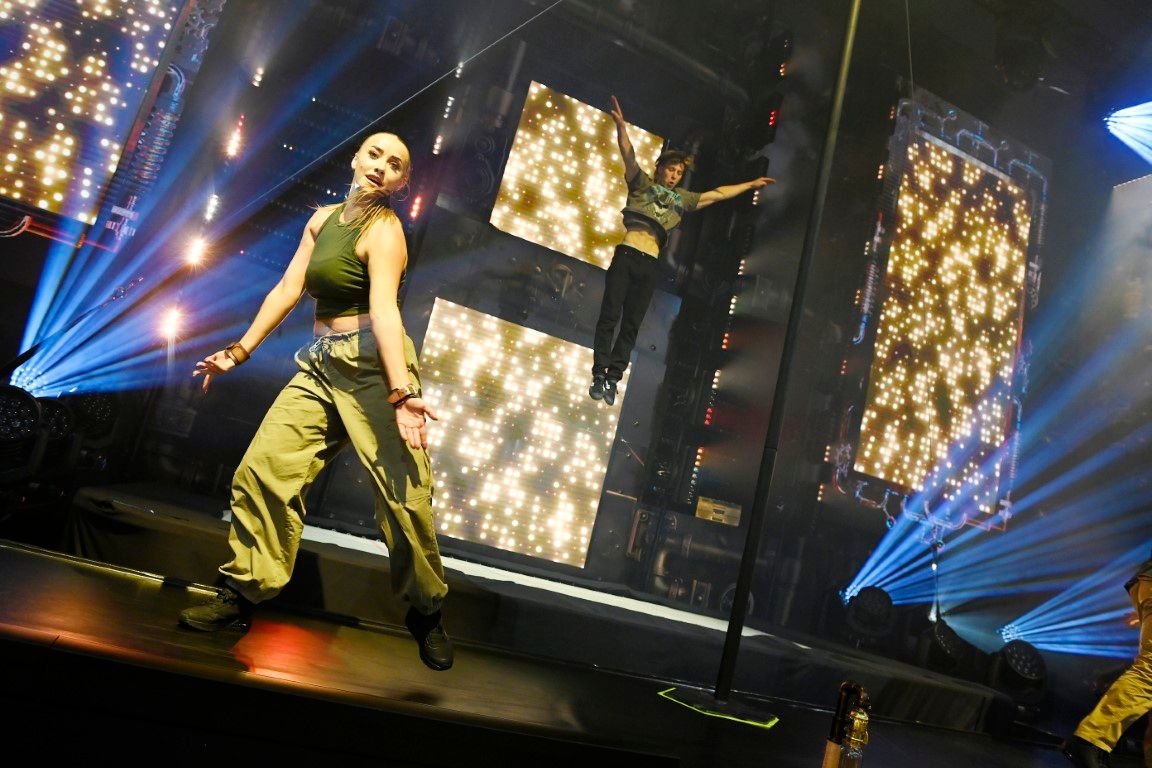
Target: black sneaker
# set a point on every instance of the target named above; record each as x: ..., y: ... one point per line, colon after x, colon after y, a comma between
x: 596, y: 391
x: 609, y: 392
x: 227, y: 610
x: 435, y: 646
x: 1084, y: 754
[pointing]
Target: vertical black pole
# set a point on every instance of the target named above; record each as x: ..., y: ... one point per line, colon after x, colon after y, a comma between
x: 775, y: 421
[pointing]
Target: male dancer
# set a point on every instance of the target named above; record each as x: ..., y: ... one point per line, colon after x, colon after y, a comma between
x: 654, y: 209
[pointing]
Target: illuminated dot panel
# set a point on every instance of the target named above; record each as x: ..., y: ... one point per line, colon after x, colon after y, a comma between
x: 563, y: 185
x: 72, y: 79
x: 520, y: 450
x: 939, y: 395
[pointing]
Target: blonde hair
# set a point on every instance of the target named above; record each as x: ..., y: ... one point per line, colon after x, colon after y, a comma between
x: 374, y: 205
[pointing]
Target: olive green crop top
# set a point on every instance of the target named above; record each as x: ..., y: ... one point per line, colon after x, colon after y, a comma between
x: 336, y: 277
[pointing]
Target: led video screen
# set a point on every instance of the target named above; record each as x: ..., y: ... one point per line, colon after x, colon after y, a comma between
x: 563, y: 185
x: 939, y: 401
x: 520, y: 450
x: 74, y: 75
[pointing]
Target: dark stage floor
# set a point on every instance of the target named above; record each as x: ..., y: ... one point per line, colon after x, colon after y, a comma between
x: 96, y: 668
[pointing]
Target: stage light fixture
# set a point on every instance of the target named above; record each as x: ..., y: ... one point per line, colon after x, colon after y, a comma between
x: 197, y: 249
x: 96, y: 413
x: 63, y: 448
x: 1133, y: 126
x: 22, y: 440
x: 1019, y: 670
x: 942, y: 649
x: 170, y: 325
x: 871, y: 613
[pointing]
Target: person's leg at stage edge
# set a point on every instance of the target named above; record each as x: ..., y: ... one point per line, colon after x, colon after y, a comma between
x: 402, y: 478
x: 340, y: 394
x: 300, y: 432
x: 1125, y: 701
x: 643, y: 271
x: 616, y: 283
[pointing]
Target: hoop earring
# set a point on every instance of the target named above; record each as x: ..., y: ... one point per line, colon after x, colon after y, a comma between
x: 395, y: 196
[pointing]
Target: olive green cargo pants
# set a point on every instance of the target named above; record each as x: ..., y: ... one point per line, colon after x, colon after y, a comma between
x: 338, y: 397
x: 1130, y: 697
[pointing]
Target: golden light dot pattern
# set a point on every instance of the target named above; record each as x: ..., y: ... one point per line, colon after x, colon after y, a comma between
x: 72, y: 78
x: 520, y: 451
x: 938, y: 405
x: 563, y: 185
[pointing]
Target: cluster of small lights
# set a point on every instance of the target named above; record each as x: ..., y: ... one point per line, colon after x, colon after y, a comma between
x: 417, y: 206
x: 732, y: 306
x: 212, y: 206
x: 740, y: 269
x: 726, y: 340
x: 940, y: 386
x: 448, y: 106
x: 520, y: 450
x: 258, y: 76
x: 563, y: 185
x: 71, y: 87
x: 459, y: 70
x: 710, y: 408
x: 232, y: 147
x: 438, y: 144
x: 694, y: 480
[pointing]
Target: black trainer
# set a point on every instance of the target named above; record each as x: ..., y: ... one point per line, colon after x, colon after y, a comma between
x: 435, y: 646
x: 227, y: 610
x: 1084, y: 754
x: 596, y: 391
x: 609, y: 392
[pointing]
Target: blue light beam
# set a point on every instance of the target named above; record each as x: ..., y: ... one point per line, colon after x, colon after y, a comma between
x: 1133, y: 126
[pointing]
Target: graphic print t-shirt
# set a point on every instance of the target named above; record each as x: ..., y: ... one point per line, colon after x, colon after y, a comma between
x: 657, y: 205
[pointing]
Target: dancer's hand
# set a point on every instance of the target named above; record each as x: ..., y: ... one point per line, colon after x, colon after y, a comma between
x: 617, y: 113
x: 411, y: 418
x: 216, y: 364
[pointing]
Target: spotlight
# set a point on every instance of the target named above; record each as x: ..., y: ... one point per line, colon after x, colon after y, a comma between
x: 170, y: 326
x: 1133, y: 126
x: 197, y: 248
x: 1019, y: 670
x: 941, y: 649
x: 63, y: 449
x: 22, y: 441
x: 870, y: 614
x: 96, y: 413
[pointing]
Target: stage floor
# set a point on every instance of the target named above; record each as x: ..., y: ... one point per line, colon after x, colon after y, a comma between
x: 96, y: 667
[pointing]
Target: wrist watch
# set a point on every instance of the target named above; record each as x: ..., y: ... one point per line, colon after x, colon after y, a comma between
x: 400, y: 394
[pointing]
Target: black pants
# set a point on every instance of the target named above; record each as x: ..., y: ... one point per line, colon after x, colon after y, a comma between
x: 628, y: 288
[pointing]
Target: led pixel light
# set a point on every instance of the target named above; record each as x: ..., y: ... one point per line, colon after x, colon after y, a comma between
x: 563, y: 185
x: 939, y: 402
x: 520, y: 450
x: 72, y: 80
